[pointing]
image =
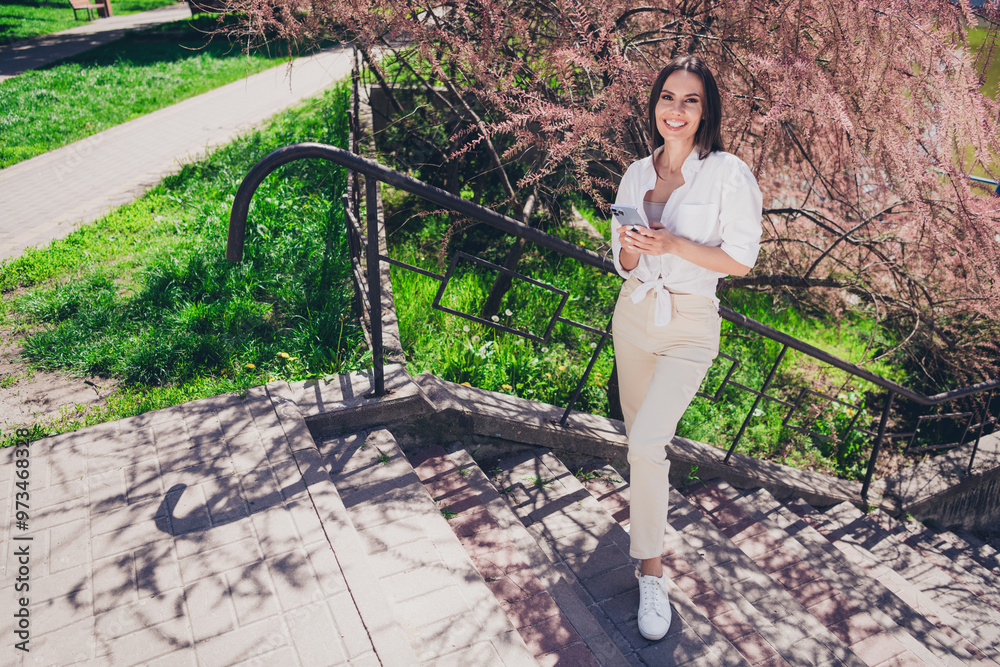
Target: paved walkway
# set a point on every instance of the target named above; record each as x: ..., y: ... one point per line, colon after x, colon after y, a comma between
x: 46, y: 197
x: 205, y: 533
x: 33, y: 53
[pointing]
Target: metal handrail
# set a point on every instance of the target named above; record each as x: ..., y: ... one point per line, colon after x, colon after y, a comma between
x: 375, y: 172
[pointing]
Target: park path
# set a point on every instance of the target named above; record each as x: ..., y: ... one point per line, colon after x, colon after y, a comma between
x: 33, y: 53
x: 48, y: 196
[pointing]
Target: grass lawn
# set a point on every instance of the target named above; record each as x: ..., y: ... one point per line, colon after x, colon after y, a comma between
x: 48, y: 108
x: 22, y: 19
x: 977, y: 40
x: 145, y: 295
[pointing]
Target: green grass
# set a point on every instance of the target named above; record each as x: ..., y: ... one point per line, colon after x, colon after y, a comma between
x: 146, y: 296
x: 22, y: 19
x: 977, y: 38
x: 466, y: 352
x: 109, y: 85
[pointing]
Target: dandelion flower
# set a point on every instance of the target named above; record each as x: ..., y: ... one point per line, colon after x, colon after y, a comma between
x: 505, y: 387
x: 475, y: 339
x: 251, y: 366
x: 466, y: 384
x: 545, y: 350
x: 466, y: 328
x: 495, y: 318
x: 593, y: 346
x: 562, y: 368
x: 292, y: 358
x: 507, y: 312
x: 283, y: 355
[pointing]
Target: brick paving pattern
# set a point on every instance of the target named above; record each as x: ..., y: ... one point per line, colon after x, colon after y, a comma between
x: 446, y: 609
x: 218, y: 532
x: 194, y: 534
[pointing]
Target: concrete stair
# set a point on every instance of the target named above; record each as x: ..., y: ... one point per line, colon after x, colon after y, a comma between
x: 927, y: 581
x: 754, y: 581
x: 565, y: 535
x: 233, y: 530
x: 420, y: 573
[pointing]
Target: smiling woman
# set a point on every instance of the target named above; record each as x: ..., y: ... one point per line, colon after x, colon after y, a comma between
x: 702, y: 207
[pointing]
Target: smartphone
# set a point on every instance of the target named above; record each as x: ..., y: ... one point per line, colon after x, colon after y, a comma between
x: 627, y: 215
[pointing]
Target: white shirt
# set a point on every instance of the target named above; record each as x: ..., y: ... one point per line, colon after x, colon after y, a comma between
x: 719, y: 205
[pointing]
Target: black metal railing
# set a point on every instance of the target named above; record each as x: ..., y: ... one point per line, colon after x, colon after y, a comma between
x: 375, y: 173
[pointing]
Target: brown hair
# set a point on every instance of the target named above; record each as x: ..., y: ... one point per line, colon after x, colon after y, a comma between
x: 708, y: 138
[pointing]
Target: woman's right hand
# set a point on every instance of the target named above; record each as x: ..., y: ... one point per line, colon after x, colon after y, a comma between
x: 629, y: 256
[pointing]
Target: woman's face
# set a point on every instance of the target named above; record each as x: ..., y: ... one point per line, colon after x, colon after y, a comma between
x: 680, y: 108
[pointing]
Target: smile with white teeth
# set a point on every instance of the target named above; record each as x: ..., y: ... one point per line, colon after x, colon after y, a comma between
x: 675, y: 123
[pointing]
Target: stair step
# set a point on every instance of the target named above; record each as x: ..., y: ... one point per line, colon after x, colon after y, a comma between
x: 792, y: 606
x: 951, y: 546
x: 969, y: 615
x: 881, y: 610
x: 728, y: 586
x: 984, y: 553
x: 432, y: 589
x: 310, y: 473
x: 579, y: 535
x: 539, y: 600
x: 974, y: 578
x: 910, y: 577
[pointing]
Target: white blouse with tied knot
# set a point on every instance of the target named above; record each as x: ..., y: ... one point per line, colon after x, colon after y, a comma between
x: 718, y: 205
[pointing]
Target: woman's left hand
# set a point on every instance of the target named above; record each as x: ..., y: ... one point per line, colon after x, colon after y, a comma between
x: 645, y: 241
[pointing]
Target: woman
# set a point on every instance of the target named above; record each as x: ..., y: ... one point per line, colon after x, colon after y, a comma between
x: 703, y: 208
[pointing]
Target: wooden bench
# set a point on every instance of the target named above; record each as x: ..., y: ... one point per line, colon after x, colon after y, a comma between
x: 100, y: 8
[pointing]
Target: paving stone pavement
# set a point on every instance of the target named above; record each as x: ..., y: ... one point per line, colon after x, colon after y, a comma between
x: 48, y: 196
x: 207, y: 534
x: 218, y: 532
x: 433, y: 589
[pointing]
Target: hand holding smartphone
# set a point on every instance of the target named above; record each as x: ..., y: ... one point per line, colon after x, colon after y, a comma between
x: 627, y: 216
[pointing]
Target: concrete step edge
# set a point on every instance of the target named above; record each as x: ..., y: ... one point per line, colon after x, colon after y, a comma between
x: 973, y: 577
x: 604, y: 569
x: 388, y: 639
x: 833, y: 524
x: 428, y: 585
x: 982, y: 552
x: 881, y: 604
x: 559, y: 583
x: 953, y: 598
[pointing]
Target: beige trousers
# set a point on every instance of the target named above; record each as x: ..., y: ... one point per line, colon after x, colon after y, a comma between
x: 659, y: 371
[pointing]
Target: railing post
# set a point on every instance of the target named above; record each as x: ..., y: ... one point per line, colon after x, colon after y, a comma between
x: 586, y: 374
x: 760, y: 395
x: 875, y: 447
x: 982, y: 425
x: 374, y: 283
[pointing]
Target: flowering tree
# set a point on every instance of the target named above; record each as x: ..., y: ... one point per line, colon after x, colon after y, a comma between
x: 861, y: 119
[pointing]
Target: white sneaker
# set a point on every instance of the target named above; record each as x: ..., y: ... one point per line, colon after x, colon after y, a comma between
x: 654, y: 606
